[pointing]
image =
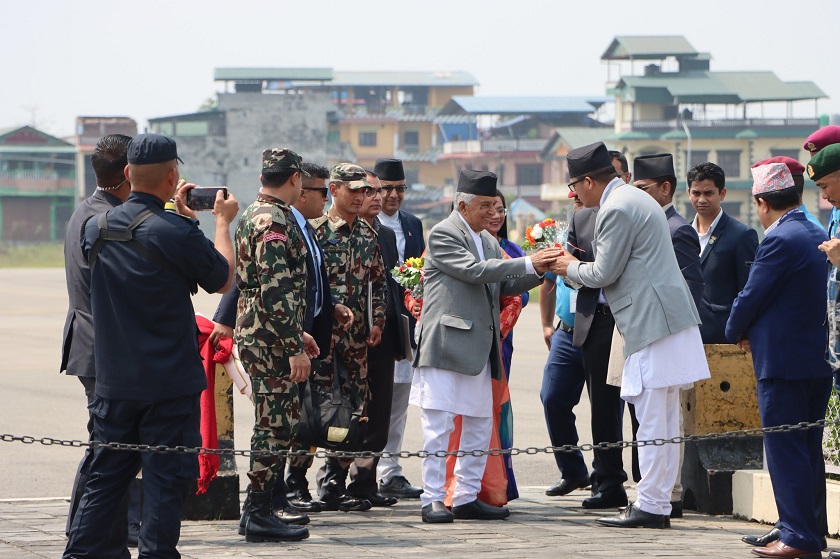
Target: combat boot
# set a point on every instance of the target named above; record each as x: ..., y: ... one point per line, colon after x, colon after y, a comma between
x: 262, y: 525
x: 297, y: 491
x: 333, y: 491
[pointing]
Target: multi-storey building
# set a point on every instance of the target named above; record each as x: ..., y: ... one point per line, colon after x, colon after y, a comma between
x: 37, y: 185
x: 677, y: 104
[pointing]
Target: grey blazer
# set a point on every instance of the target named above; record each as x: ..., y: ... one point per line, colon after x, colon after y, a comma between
x: 459, y: 327
x: 636, y: 265
x: 77, y: 343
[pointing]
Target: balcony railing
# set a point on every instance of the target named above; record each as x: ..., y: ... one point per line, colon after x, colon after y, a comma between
x: 721, y: 123
x: 35, y: 181
x: 493, y: 146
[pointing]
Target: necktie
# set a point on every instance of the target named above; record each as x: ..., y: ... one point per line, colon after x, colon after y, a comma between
x: 316, y: 258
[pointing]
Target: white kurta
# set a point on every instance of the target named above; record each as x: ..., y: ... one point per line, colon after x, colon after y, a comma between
x: 674, y: 360
x: 439, y: 389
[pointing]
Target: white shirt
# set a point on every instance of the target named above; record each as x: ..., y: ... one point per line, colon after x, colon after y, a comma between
x: 393, y: 223
x: 704, y: 237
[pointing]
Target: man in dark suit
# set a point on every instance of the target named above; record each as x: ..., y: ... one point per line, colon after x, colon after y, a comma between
x: 408, y: 233
x: 109, y: 161
x: 594, y: 325
x: 727, y: 249
x: 321, y: 310
x: 794, y: 380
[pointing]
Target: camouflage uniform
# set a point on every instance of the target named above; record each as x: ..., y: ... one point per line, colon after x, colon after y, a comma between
x: 271, y: 276
x: 353, y: 260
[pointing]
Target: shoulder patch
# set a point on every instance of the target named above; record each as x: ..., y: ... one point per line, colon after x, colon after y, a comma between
x: 277, y: 216
x: 275, y: 236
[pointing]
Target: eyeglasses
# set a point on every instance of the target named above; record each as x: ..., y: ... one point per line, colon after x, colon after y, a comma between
x: 646, y: 187
x: 387, y: 190
x: 323, y: 190
x: 572, y: 184
x: 501, y: 211
x: 371, y: 192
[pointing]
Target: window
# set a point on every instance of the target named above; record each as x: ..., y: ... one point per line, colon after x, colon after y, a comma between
x: 411, y: 141
x: 529, y: 173
x: 792, y: 153
x: 697, y: 157
x: 412, y: 176
x: 367, y: 138
x: 730, y: 162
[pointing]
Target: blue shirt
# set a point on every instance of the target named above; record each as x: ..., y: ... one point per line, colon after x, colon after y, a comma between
x: 811, y: 217
x: 144, y: 323
x: 562, y: 300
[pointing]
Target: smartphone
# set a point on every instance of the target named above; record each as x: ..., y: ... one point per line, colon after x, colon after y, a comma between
x: 203, y: 198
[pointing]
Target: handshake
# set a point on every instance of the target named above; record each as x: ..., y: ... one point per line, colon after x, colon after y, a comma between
x: 553, y: 259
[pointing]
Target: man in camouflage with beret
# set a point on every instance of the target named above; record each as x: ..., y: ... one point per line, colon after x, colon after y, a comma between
x: 275, y: 351
x: 357, y: 277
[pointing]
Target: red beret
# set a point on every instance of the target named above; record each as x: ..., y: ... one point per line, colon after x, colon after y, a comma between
x: 794, y: 166
x: 823, y: 137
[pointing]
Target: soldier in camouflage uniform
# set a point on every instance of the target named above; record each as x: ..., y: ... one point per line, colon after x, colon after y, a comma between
x: 357, y: 277
x: 271, y: 276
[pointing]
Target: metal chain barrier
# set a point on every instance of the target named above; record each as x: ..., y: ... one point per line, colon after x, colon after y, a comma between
x: 48, y: 441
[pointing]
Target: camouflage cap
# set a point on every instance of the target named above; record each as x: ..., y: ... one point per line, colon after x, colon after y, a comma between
x: 353, y: 175
x: 282, y: 159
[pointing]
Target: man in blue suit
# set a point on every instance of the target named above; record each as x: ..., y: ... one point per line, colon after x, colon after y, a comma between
x: 727, y: 249
x: 794, y: 380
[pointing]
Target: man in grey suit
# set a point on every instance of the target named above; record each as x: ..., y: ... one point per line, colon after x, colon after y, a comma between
x: 458, y: 347
x: 637, y: 268
x: 109, y: 160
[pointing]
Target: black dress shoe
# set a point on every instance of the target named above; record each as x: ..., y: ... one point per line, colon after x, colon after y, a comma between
x: 302, y: 501
x: 345, y: 503
x: 632, y: 517
x: 478, y: 510
x: 399, y: 487
x: 566, y: 486
x: 762, y: 541
x: 436, y: 513
x: 676, y: 509
x: 380, y: 500
x: 834, y: 554
x: 290, y: 515
x: 609, y: 499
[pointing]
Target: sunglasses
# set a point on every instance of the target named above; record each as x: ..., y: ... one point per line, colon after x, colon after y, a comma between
x: 323, y: 190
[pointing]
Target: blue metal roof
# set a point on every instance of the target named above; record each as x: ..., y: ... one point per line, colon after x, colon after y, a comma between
x: 522, y: 105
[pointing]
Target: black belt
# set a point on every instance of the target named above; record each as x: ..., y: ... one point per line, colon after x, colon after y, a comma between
x: 603, y: 309
x: 565, y: 327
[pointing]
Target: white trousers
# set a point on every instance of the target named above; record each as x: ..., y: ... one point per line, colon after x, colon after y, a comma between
x: 475, y: 435
x: 390, y: 467
x: 658, y: 412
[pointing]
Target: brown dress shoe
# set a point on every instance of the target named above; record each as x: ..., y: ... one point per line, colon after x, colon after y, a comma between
x: 780, y: 549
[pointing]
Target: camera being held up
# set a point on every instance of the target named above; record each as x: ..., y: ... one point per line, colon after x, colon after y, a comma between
x: 203, y: 198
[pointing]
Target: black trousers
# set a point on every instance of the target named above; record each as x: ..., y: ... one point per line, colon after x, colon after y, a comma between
x: 606, y: 404
x: 132, y: 504
x: 381, y: 384
x: 166, y: 476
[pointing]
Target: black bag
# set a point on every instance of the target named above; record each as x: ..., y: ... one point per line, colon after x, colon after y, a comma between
x: 331, y: 417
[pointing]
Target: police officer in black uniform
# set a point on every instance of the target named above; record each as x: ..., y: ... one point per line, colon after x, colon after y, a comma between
x: 144, y: 263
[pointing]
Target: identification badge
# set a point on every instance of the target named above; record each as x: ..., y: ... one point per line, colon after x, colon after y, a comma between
x: 274, y: 236
x: 573, y: 300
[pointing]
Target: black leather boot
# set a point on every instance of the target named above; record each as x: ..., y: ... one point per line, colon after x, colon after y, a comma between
x: 262, y: 525
x: 333, y: 491
x: 297, y: 491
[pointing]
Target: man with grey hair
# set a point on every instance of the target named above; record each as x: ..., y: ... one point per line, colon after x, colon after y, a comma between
x: 465, y: 277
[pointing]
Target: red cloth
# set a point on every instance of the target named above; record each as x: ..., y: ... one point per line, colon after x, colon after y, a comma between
x: 208, y: 464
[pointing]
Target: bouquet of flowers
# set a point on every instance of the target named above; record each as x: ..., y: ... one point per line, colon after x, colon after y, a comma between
x: 410, y: 275
x: 547, y: 233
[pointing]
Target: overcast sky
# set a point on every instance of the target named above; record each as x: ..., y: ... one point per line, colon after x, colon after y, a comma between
x: 63, y: 59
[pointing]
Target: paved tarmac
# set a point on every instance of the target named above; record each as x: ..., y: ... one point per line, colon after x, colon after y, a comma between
x: 539, y: 526
x: 35, y: 480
